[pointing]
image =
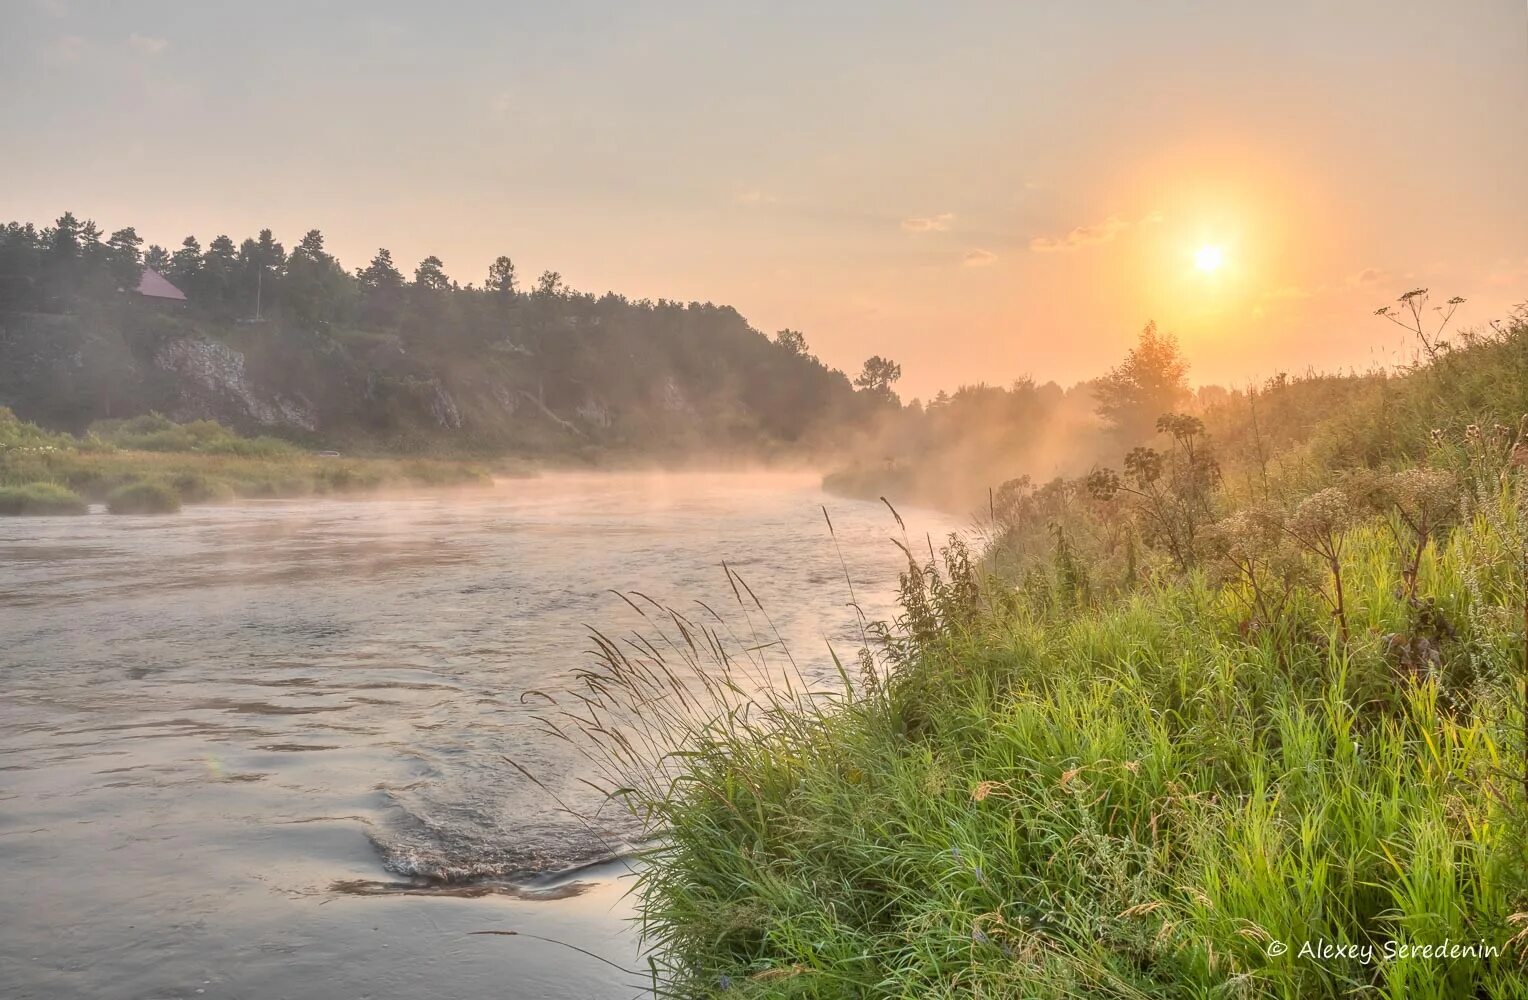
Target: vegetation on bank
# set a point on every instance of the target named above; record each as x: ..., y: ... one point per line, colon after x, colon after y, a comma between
x: 40, y: 498
x: 150, y: 464
x: 1240, y: 722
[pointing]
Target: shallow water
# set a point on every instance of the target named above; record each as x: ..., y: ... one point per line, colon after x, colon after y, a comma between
x: 256, y: 750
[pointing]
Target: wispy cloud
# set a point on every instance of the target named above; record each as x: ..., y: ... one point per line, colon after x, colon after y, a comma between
x: 147, y: 44
x: 1369, y: 276
x: 1086, y: 236
x: 978, y: 258
x: 929, y: 224
x: 754, y: 197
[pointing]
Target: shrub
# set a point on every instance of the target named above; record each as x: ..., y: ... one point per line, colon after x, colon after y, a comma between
x: 194, y: 487
x: 143, y: 498
x: 40, y: 498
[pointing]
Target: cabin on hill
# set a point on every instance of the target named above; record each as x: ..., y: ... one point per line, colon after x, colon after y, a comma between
x: 155, y: 286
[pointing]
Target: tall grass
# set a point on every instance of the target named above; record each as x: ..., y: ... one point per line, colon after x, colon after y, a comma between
x: 1194, y: 783
x: 1135, y: 802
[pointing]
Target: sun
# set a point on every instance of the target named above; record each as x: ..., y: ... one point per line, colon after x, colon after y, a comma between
x: 1208, y: 258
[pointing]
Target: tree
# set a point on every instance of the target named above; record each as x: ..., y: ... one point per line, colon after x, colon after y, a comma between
x: 218, y: 267
x: 310, y: 250
x: 64, y: 238
x: 314, y: 288
x: 877, y: 376
x: 550, y: 285
x: 792, y: 341
x: 186, y: 264
x: 157, y: 258
x: 1151, y: 381
x: 501, y: 277
x: 124, y: 258
x: 381, y: 289
x: 430, y: 275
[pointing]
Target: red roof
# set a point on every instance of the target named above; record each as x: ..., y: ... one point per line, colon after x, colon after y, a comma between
x: 155, y: 286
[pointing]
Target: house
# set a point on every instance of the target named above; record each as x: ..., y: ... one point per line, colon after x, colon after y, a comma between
x: 154, y: 285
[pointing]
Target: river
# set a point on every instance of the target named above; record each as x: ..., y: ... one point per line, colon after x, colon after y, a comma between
x: 256, y: 750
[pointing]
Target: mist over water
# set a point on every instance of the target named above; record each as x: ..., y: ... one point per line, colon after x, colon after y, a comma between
x: 223, y: 733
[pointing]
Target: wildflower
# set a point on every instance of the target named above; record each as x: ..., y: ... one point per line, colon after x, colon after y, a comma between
x: 979, y: 936
x: 725, y: 982
x: 955, y: 853
x: 1472, y: 432
x: 980, y: 876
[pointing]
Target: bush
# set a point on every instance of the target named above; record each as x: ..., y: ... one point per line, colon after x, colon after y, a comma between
x: 143, y: 498
x: 40, y: 498
x: 194, y: 487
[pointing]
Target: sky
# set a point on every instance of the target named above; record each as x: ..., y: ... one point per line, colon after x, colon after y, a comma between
x: 980, y: 191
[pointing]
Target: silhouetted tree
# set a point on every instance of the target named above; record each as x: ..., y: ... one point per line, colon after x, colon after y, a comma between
x: 1151, y: 381
x: 124, y: 259
x: 792, y: 341
x: 501, y: 277
x: 877, y: 376
x: 430, y: 275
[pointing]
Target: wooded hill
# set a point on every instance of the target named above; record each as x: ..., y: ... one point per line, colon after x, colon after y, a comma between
x: 290, y: 342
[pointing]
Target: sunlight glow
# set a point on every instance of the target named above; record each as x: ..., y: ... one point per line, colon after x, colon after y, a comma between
x: 1208, y: 258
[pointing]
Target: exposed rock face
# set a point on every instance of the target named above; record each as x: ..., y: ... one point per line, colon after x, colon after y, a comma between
x: 214, y: 384
x: 673, y: 398
x: 595, y: 413
x: 443, y: 407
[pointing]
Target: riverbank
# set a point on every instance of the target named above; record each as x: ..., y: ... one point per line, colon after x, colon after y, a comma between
x: 153, y: 465
x: 1179, y: 734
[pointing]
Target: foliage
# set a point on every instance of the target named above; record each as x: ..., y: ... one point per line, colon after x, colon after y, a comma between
x: 39, y: 498
x: 144, y: 497
x: 202, y: 462
x: 1302, y: 723
x: 401, y: 363
x: 1152, y: 380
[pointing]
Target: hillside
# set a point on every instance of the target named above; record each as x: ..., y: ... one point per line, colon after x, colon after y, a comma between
x: 290, y: 343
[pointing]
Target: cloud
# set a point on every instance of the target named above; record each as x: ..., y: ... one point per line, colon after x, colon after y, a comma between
x: 1080, y: 237
x: 929, y: 224
x: 1369, y: 276
x: 1085, y: 236
x: 978, y: 258
x: 753, y: 197
x: 146, y: 44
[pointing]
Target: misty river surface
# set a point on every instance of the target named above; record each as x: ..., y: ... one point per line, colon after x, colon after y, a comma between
x: 257, y: 750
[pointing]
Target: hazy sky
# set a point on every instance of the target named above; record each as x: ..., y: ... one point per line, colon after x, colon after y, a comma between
x: 980, y: 191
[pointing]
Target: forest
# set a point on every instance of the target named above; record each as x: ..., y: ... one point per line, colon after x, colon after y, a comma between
x: 290, y: 342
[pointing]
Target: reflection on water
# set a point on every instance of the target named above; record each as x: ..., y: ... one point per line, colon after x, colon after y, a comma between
x: 237, y: 745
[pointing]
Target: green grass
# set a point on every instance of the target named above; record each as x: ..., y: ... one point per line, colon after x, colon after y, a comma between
x: 1034, y: 793
x: 39, y: 499
x: 203, y: 462
x: 1247, y: 727
x: 143, y: 498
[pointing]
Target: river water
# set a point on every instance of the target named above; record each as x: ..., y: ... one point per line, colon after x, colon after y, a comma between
x: 257, y: 750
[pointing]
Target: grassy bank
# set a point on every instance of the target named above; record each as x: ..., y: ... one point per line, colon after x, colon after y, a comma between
x: 1257, y: 734
x: 151, y: 462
